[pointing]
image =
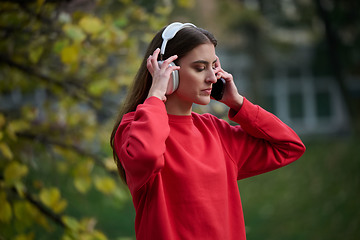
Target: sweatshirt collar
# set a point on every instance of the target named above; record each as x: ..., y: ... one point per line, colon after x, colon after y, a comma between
x: 188, y: 119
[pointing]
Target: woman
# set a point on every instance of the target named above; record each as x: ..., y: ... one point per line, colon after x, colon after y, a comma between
x: 182, y: 167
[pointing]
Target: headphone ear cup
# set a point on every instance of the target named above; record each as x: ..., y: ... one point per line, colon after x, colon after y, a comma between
x: 173, y: 81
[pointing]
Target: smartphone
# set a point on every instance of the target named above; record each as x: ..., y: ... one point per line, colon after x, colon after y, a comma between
x: 218, y: 89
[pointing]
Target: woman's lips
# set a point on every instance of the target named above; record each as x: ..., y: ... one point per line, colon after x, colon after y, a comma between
x: 207, y: 91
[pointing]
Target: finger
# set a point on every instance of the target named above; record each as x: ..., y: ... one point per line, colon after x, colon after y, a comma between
x: 171, y: 69
x: 169, y: 60
x: 217, y: 68
x: 227, y: 76
x: 219, y: 75
x: 149, y: 64
x: 154, y: 57
x: 217, y: 63
x: 156, y: 54
x: 150, y: 67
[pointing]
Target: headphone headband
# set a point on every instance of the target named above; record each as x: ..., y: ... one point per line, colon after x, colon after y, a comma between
x: 170, y: 32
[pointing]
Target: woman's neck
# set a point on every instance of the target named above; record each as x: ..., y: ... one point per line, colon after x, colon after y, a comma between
x: 175, y: 106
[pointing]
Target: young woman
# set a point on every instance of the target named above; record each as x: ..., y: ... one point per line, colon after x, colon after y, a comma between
x: 182, y: 167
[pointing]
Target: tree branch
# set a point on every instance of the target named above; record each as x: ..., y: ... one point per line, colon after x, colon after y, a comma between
x: 45, y: 140
x: 43, y: 209
x: 56, y: 218
x: 75, y: 90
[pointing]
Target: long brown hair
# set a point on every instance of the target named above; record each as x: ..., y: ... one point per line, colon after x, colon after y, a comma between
x: 184, y: 41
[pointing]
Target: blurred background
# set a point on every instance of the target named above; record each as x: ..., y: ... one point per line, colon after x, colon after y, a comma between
x: 65, y: 67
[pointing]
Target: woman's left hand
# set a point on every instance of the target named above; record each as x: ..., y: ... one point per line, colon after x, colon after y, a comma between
x: 231, y: 96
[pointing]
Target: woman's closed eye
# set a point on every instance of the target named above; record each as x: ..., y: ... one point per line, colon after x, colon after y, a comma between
x: 200, y: 68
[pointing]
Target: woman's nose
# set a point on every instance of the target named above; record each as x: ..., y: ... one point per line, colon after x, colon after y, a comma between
x: 211, y: 78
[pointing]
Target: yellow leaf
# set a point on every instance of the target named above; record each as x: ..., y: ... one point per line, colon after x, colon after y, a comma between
x: 84, y: 168
x: 82, y: 184
x: 110, y: 164
x: 6, y: 151
x: 52, y: 199
x: 70, y: 54
x: 186, y: 3
x: 14, y: 171
x: 20, y: 188
x: 105, y: 184
x: 22, y: 213
x: 88, y: 224
x: 164, y: 10
x: 91, y: 25
x: 97, y: 235
x: 17, y: 126
x: 28, y: 215
x: 49, y: 196
x: 5, y: 209
x: 60, y: 206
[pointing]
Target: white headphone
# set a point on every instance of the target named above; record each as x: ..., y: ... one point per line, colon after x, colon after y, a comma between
x: 169, y: 33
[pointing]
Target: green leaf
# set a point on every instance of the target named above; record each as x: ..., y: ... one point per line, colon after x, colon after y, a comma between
x: 60, y: 45
x: 74, y: 32
x: 121, y: 22
x: 99, y: 87
x: 6, y: 151
x: 5, y: 209
x: 16, y: 126
x: 35, y: 54
x: 97, y: 235
x: 71, y: 223
x: 20, y: 188
x: 14, y: 171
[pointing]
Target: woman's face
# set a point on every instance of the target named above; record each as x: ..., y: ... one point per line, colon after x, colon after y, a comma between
x: 197, y: 75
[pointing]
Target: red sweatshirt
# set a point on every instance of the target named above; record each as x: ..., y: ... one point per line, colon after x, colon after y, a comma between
x: 182, y: 171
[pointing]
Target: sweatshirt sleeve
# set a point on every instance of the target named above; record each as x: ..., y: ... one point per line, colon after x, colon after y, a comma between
x: 140, y: 142
x: 261, y: 143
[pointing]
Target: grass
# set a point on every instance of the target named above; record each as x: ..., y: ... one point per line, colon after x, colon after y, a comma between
x: 316, y: 197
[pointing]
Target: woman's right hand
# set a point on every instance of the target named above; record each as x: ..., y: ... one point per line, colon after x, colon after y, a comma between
x: 160, y: 74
